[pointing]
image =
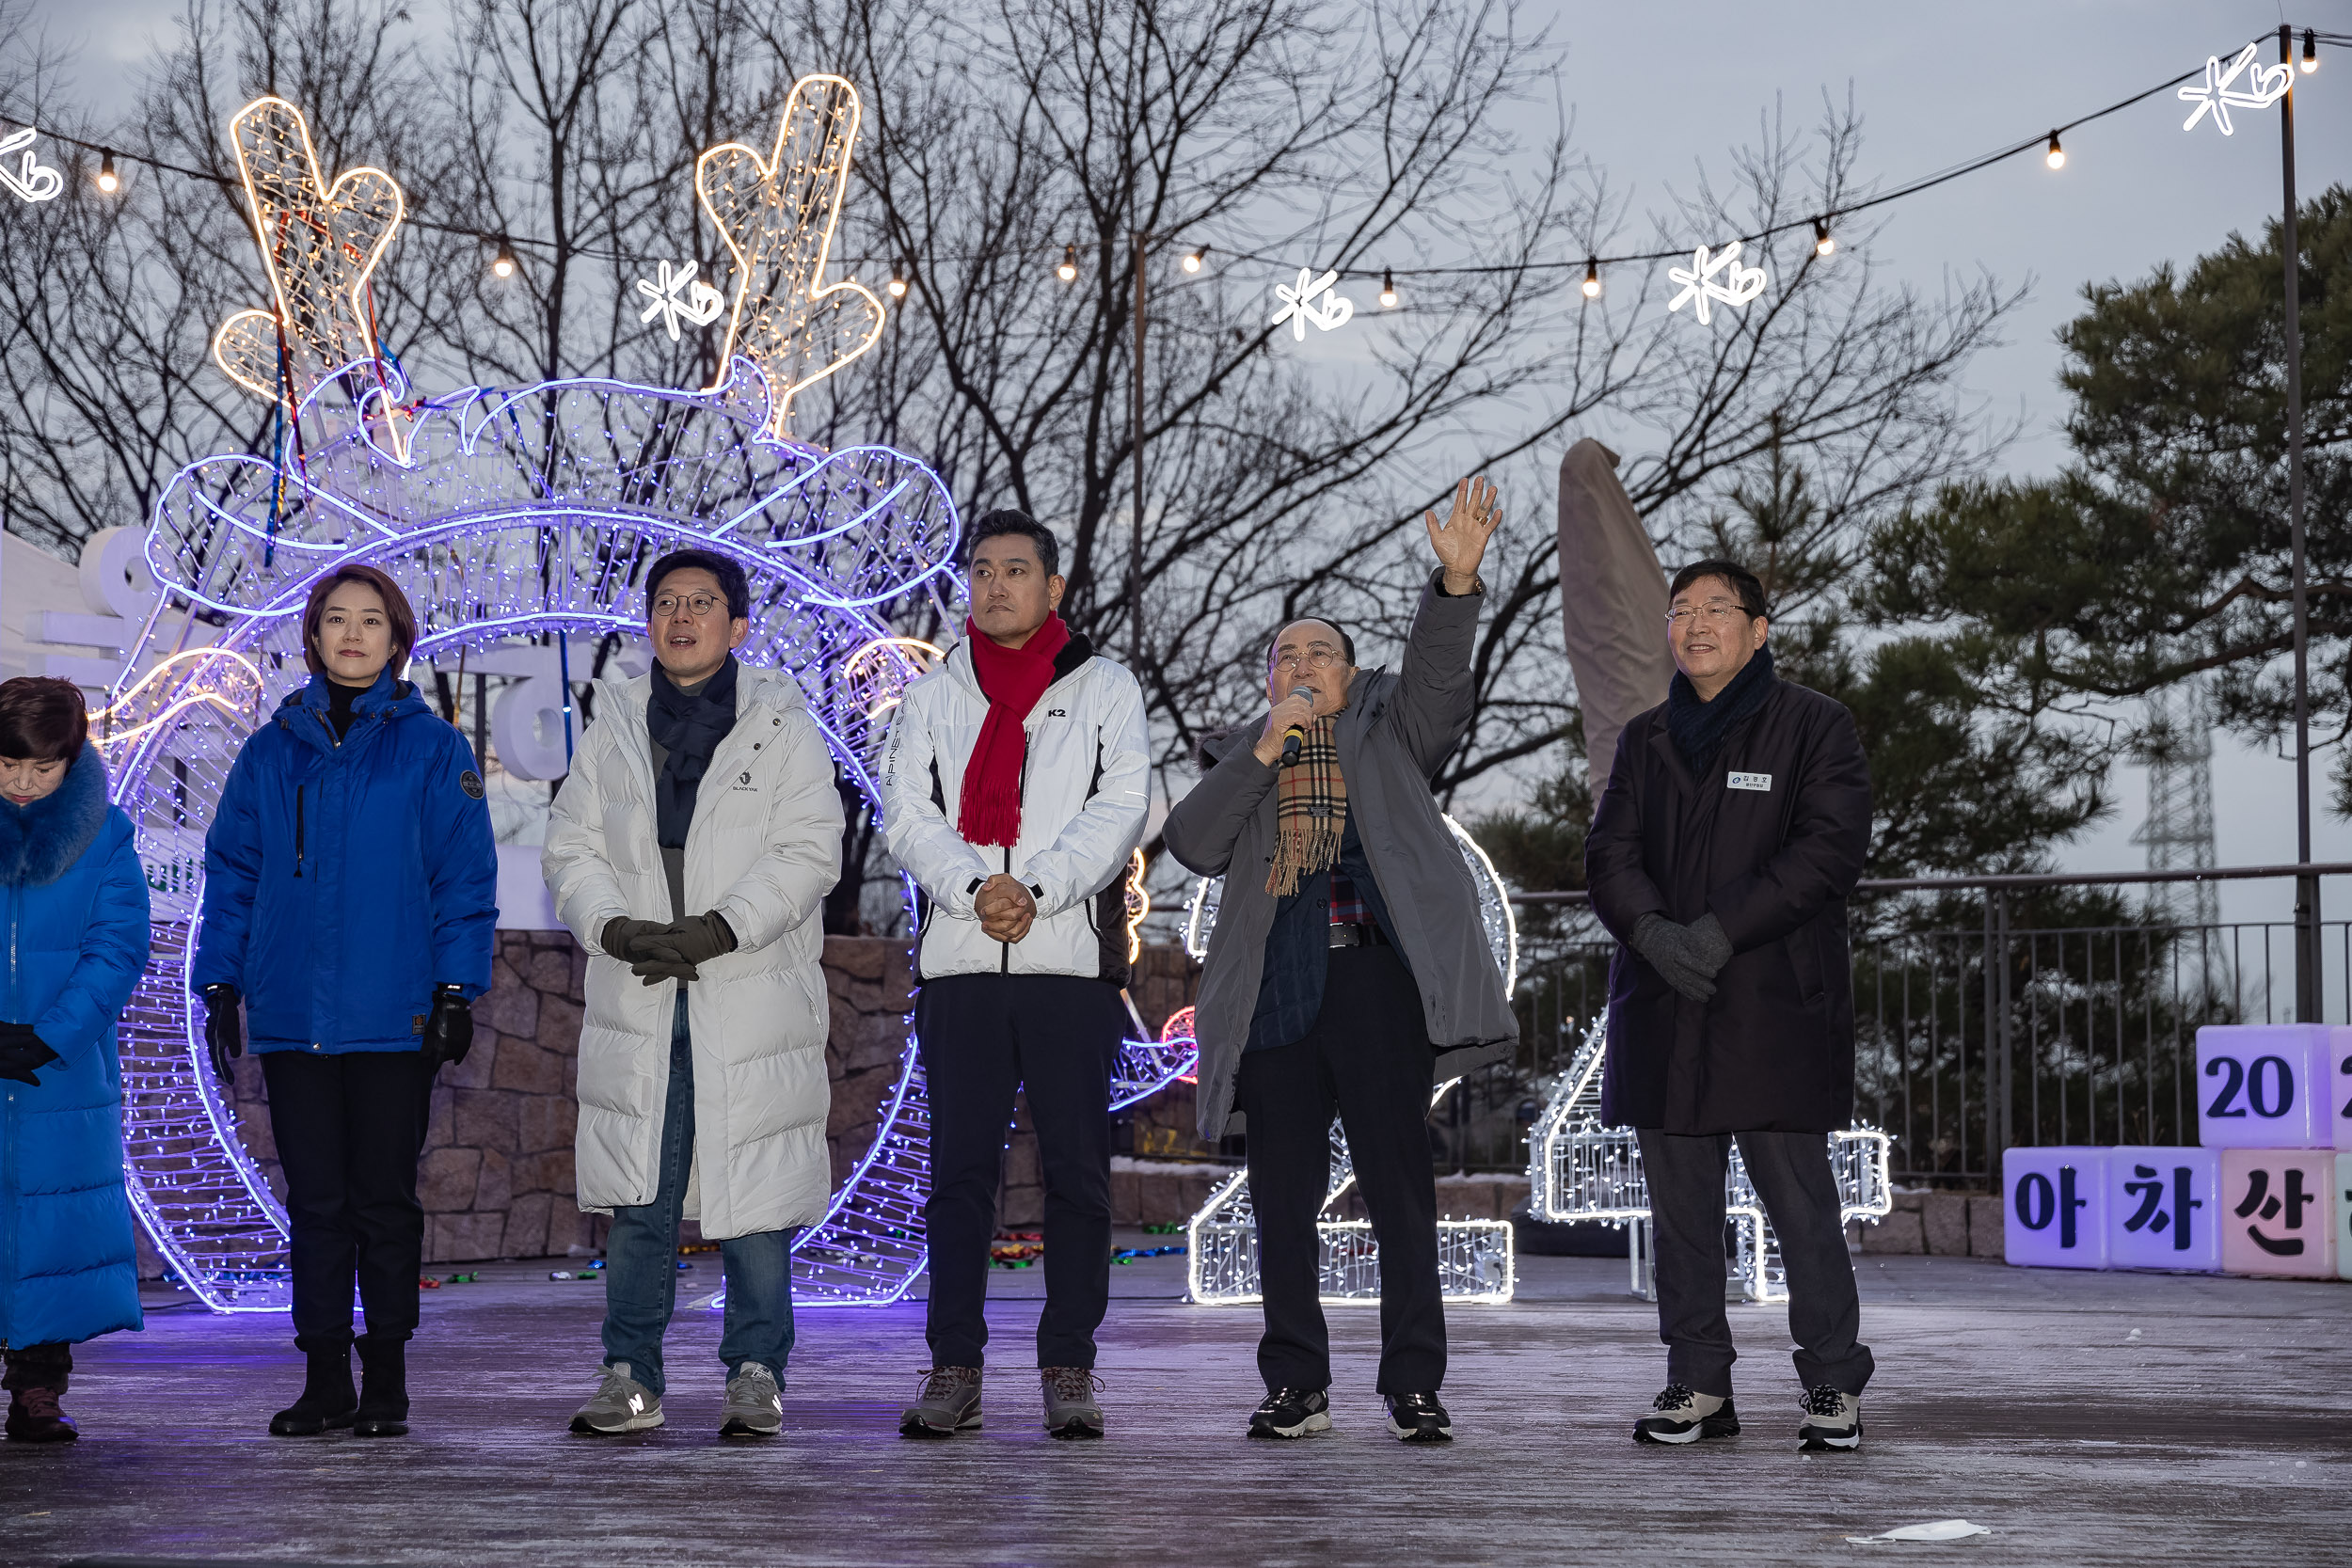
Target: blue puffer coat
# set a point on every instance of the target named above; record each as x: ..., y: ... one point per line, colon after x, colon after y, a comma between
x: 77, y: 936
x: 343, y: 881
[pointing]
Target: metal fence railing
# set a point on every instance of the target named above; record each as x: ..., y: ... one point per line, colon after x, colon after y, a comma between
x: 2014, y: 1027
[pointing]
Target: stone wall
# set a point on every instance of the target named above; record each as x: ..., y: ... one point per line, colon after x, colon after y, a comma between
x: 1944, y: 1225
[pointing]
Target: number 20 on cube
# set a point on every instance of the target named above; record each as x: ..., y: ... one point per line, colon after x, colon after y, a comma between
x: 2265, y: 1085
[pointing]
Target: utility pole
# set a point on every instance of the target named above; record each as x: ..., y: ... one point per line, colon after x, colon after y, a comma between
x: 2307, y: 967
x: 1134, y: 546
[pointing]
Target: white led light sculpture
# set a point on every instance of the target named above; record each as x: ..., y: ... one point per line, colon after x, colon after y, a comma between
x: 1716, y: 275
x: 1474, y: 1257
x: 2216, y: 95
x: 1300, y: 303
x: 1579, y: 1169
x: 31, y: 180
x: 679, y: 296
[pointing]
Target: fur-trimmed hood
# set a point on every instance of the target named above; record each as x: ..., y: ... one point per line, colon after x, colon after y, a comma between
x: 38, y: 843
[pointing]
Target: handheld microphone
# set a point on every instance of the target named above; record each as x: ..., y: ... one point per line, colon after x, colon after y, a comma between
x: 1295, y: 736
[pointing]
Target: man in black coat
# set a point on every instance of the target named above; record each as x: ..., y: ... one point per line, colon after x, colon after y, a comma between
x: 1721, y: 856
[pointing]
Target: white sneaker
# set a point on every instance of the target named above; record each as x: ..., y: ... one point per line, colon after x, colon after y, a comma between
x: 1681, y: 1415
x: 622, y: 1404
x: 1833, y: 1419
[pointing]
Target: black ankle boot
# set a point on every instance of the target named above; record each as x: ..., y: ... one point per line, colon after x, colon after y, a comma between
x: 327, y: 1399
x: 383, y: 1389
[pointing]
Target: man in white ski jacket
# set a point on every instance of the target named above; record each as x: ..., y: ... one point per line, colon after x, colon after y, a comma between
x: 690, y: 851
x: 1014, y: 790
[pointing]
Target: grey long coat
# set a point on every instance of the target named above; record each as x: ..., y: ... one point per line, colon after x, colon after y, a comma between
x: 1392, y: 736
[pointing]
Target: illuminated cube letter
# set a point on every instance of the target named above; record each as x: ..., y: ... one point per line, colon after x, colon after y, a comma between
x: 2262, y: 1086
x: 2162, y: 1209
x: 2279, y: 1211
x: 2058, y: 1207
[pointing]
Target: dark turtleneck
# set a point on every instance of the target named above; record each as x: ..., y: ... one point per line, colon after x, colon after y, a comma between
x: 1698, y: 726
x: 339, y: 700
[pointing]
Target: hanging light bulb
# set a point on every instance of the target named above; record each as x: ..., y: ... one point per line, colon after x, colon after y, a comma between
x: 2310, y: 50
x: 1388, y: 291
x: 504, y: 265
x: 1194, y: 257
x: 1823, y: 241
x: 1592, y: 279
x: 1067, y: 271
x: 897, y: 288
x: 107, y: 179
x: 2056, y: 156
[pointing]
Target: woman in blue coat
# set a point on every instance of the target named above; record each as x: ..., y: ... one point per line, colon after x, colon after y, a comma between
x: 351, y: 904
x: 77, y: 918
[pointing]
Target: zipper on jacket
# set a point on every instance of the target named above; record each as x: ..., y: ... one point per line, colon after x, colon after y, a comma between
x: 297, y: 831
x: 1003, y: 949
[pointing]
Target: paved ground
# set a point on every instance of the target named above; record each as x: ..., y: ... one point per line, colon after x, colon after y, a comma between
x: 2085, y: 1418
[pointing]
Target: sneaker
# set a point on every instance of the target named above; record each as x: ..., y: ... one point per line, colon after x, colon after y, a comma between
x: 1070, y: 1407
x: 1833, y: 1419
x: 1681, y: 1416
x: 1291, y: 1413
x: 34, y: 1417
x: 948, y: 1402
x: 622, y: 1404
x: 1419, y: 1418
x: 754, y: 1404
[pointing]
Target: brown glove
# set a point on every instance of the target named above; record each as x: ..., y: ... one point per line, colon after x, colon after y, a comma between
x: 623, y: 937
x: 692, y: 942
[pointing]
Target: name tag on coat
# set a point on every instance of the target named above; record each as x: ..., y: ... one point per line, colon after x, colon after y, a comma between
x: 1761, y: 783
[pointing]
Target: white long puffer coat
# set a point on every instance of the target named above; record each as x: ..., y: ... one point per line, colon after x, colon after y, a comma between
x: 764, y: 848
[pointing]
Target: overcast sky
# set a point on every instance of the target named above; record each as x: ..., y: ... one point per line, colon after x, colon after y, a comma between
x: 1659, y: 91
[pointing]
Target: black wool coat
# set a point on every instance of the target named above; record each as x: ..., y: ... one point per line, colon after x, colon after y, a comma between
x: 1772, y: 1050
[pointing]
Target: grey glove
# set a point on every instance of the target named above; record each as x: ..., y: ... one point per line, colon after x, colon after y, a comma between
x: 692, y: 942
x: 624, y: 937
x: 1686, y: 956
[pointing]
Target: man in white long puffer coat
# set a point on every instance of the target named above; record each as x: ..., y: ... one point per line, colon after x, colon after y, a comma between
x: 690, y: 851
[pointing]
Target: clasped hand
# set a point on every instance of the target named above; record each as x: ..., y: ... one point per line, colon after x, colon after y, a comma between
x: 1006, y: 907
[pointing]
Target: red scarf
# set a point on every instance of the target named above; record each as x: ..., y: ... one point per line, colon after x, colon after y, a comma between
x: 1012, y: 679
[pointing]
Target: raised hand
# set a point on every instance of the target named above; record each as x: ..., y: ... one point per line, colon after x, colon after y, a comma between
x: 319, y: 244
x: 777, y: 218
x: 1461, y: 542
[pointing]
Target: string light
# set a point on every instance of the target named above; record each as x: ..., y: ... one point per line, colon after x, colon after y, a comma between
x: 108, y: 181
x: 2056, y: 156
x: 2310, y: 50
x: 1067, y: 271
x: 1387, y: 290
x: 897, y: 288
x: 1592, y: 279
x: 1823, y: 242
x: 503, y: 264
x: 1194, y: 257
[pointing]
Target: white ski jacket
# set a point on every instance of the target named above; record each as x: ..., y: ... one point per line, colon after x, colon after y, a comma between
x: 1084, y: 797
x: 764, y: 849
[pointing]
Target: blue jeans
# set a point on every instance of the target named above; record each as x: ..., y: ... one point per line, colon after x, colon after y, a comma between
x: 640, y: 1256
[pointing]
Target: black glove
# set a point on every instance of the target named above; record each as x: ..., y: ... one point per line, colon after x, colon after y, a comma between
x: 22, y: 1052
x: 449, y: 1031
x: 224, y: 1028
x: 623, y: 936
x: 693, y: 942
x: 1686, y: 956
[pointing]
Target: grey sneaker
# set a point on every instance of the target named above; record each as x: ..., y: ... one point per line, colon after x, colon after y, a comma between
x: 754, y: 1404
x: 622, y: 1404
x: 1681, y: 1415
x: 1833, y: 1419
x: 1070, y: 1407
x: 949, y: 1402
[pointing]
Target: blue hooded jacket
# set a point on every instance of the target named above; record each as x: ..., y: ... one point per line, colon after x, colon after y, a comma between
x: 76, y: 907
x: 343, y: 881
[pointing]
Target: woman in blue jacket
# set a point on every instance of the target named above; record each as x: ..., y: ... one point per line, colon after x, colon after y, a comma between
x: 76, y: 917
x: 350, y: 904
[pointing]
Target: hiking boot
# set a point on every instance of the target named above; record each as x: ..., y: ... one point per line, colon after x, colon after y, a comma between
x: 1419, y: 1418
x: 754, y: 1404
x: 34, y: 1417
x: 1291, y: 1413
x: 622, y: 1404
x: 1681, y: 1416
x: 1833, y: 1419
x: 1070, y: 1407
x: 327, y: 1398
x: 383, y: 1389
x: 948, y: 1402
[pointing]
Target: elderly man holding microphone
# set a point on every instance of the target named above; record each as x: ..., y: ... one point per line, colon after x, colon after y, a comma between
x: 1348, y: 970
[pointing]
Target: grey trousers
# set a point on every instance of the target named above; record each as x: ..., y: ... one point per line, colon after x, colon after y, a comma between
x: 1792, y: 1176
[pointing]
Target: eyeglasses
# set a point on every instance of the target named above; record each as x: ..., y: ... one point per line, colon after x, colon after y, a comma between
x: 700, y: 604
x: 1714, y: 612
x: 1320, y: 658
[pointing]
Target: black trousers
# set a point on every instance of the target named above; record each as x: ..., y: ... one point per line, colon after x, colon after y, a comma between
x: 983, y: 1037
x: 1368, y: 1057
x: 1791, y: 1174
x: 349, y: 1129
x: 46, y: 1365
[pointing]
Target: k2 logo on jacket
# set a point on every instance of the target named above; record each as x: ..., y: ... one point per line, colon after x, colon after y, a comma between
x: 1761, y: 783
x: 470, y: 782
x: 1058, y: 713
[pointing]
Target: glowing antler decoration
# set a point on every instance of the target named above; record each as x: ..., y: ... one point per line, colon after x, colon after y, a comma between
x: 319, y: 244
x: 777, y: 218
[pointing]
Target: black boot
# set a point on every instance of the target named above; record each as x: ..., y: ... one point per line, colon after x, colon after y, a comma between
x: 327, y: 1399
x: 35, y: 1379
x: 383, y: 1389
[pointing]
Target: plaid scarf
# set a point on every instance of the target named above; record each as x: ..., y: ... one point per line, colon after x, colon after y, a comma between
x: 1310, y: 810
